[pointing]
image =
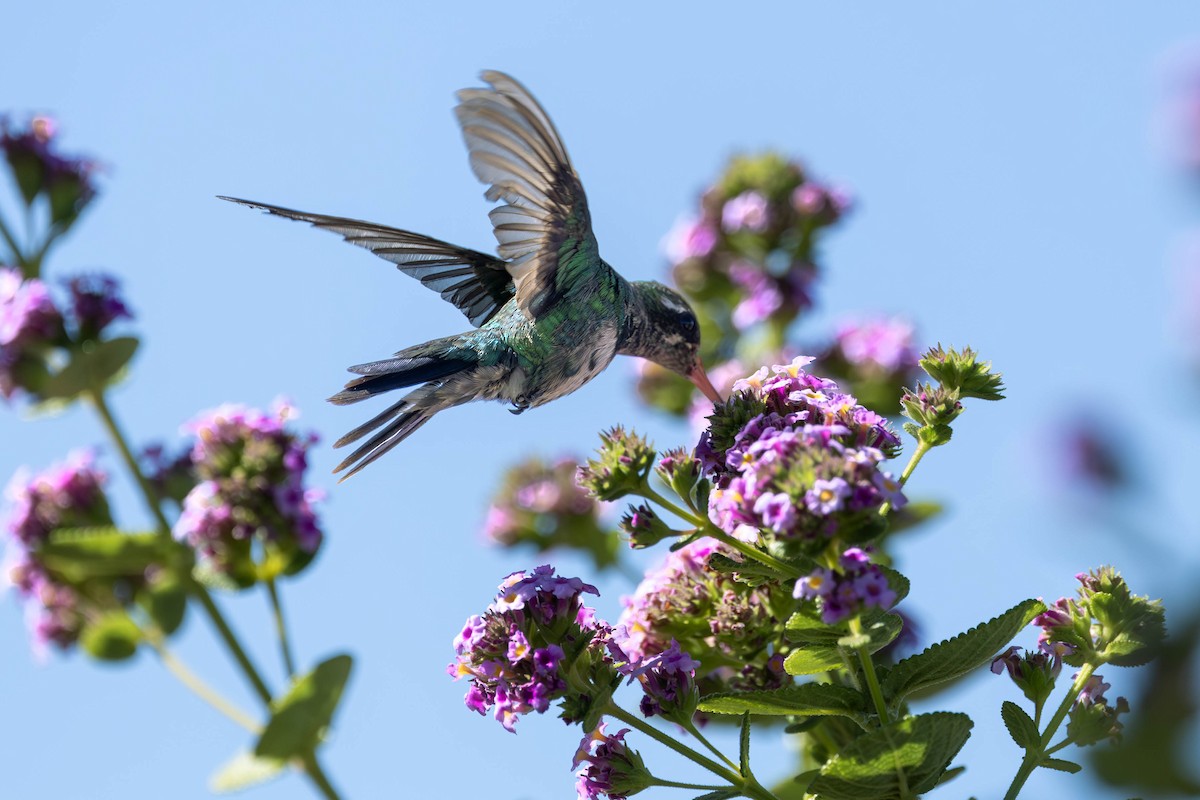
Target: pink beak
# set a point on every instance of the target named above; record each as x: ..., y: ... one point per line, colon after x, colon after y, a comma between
x: 699, y: 377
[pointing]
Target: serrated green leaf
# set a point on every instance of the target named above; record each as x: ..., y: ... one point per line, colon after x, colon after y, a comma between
x: 1060, y: 764
x: 243, y: 771
x: 299, y: 718
x: 869, y: 767
x: 812, y: 659
x: 81, y: 553
x: 93, y: 366
x: 806, y: 627
x: 719, y: 794
x: 958, y: 656
x: 749, y: 571
x: 112, y: 636
x: 1021, y: 726
x: 807, y: 700
x: 951, y: 774
x: 744, y: 745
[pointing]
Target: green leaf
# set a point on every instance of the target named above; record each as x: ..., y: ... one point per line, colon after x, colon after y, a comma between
x: 113, y: 636
x: 806, y: 700
x: 869, y: 767
x: 748, y: 571
x: 913, y: 514
x: 957, y: 656
x: 719, y: 794
x: 81, y: 553
x: 165, y: 600
x: 744, y: 745
x: 822, y: 652
x: 243, y: 771
x: 1060, y: 764
x: 1021, y: 726
x: 93, y: 366
x: 299, y: 718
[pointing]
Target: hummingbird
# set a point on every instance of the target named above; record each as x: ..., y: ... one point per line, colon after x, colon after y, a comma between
x: 548, y: 313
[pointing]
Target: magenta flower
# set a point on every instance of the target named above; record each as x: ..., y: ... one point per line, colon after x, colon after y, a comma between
x: 690, y: 238
x: 96, y: 303
x: 613, y: 770
x: 750, y: 211
x: 883, y: 343
x: 855, y: 586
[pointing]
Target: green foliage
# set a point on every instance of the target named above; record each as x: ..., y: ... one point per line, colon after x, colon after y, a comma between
x: 808, y: 699
x: 1021, y: 726
x: 111, y: 637
x: 913, y: 752
x: 958, y: 656
x: 82, y: 553
x: 823, y: 647
x: 299, y: 718
x: 93, y: 366
x: 1060, y: 764
x: 245, y: 770
x: 165, y: 601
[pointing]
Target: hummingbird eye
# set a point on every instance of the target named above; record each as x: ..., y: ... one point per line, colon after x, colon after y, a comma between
x: 688, y: 323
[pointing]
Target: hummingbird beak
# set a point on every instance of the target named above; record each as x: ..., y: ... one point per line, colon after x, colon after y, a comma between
x: 699, y: 377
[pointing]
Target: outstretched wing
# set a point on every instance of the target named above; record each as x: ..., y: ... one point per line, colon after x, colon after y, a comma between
x: 478, y: 284
x: 545, y: 231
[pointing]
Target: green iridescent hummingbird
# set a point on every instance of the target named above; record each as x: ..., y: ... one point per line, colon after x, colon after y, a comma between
x: 549, y: 313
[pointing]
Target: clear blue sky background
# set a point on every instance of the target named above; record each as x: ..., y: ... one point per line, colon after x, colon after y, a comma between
x: 1010, y: 198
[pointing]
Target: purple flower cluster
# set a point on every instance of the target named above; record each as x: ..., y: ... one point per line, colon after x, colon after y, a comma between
x: 69, y: 495
x: 738, y: 622
x: 668, y: 684
x: 29, y: 322
x: 40, y: 167
x: 804, y: 463
x: 881, y: 345
x: 536, y: 501
x: 507, y: 653
x: 854, y: 586
x: 251, y: 487
x: 612, y: 770
x: 96, y: 303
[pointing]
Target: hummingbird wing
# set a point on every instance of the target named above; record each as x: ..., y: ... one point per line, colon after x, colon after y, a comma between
x: 544, y: 230
x: 477, y: 283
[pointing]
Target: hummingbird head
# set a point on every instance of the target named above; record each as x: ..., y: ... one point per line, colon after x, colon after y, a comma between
x: 662, y: 328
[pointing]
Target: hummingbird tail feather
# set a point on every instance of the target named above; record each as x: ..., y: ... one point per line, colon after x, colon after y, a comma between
x: 395, y: 373
x: 404, y: 419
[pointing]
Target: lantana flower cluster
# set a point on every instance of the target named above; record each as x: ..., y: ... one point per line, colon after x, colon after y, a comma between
x: 853, y: 587
x: 518, y: 652
x: 68, y: 495
x: 610, y: 769
x: 41, y: 169
x: 250, y: 494
x: 736, y: 635
x: 876, y: 356
x: 792, y: 454
x: 539, y: 504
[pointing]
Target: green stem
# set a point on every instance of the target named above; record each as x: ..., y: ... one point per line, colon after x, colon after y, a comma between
x: 709, y: 529
x: 11, y: 241
x: 650, y: 494
x: 312, y: 768
x: 868, y: 668
x: 918, y: 454
x: 198, y: 687
x: 1031, y: 760
x: 747, y: 785
x: 285, y: 648
x: 227, y: 635
x: 691, y: 728
x: 677, y: 785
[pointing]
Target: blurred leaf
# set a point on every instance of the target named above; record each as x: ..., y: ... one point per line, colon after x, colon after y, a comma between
x: 808, y: 699
x: 93, y: 366
x: 744, y: 745
x: 1021, y: 726
x: 299, y: 718
x: 243, y: 771
x: 111, y: 637
x: 754, y: 573
x: 1150, y: 758
x: 165, y: 600
x: 81, y: 553
x: 921, y: 747
x: 957, y: 656
x: 912, y: 515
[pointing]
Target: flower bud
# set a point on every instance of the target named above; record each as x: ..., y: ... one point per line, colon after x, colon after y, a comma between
x: 624, y: 462
x: 644, y: 528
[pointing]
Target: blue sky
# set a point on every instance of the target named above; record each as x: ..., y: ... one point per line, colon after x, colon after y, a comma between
x: 1010, y: 197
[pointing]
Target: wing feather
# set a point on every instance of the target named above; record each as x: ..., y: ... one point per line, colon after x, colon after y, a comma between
x: 453, y: 272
